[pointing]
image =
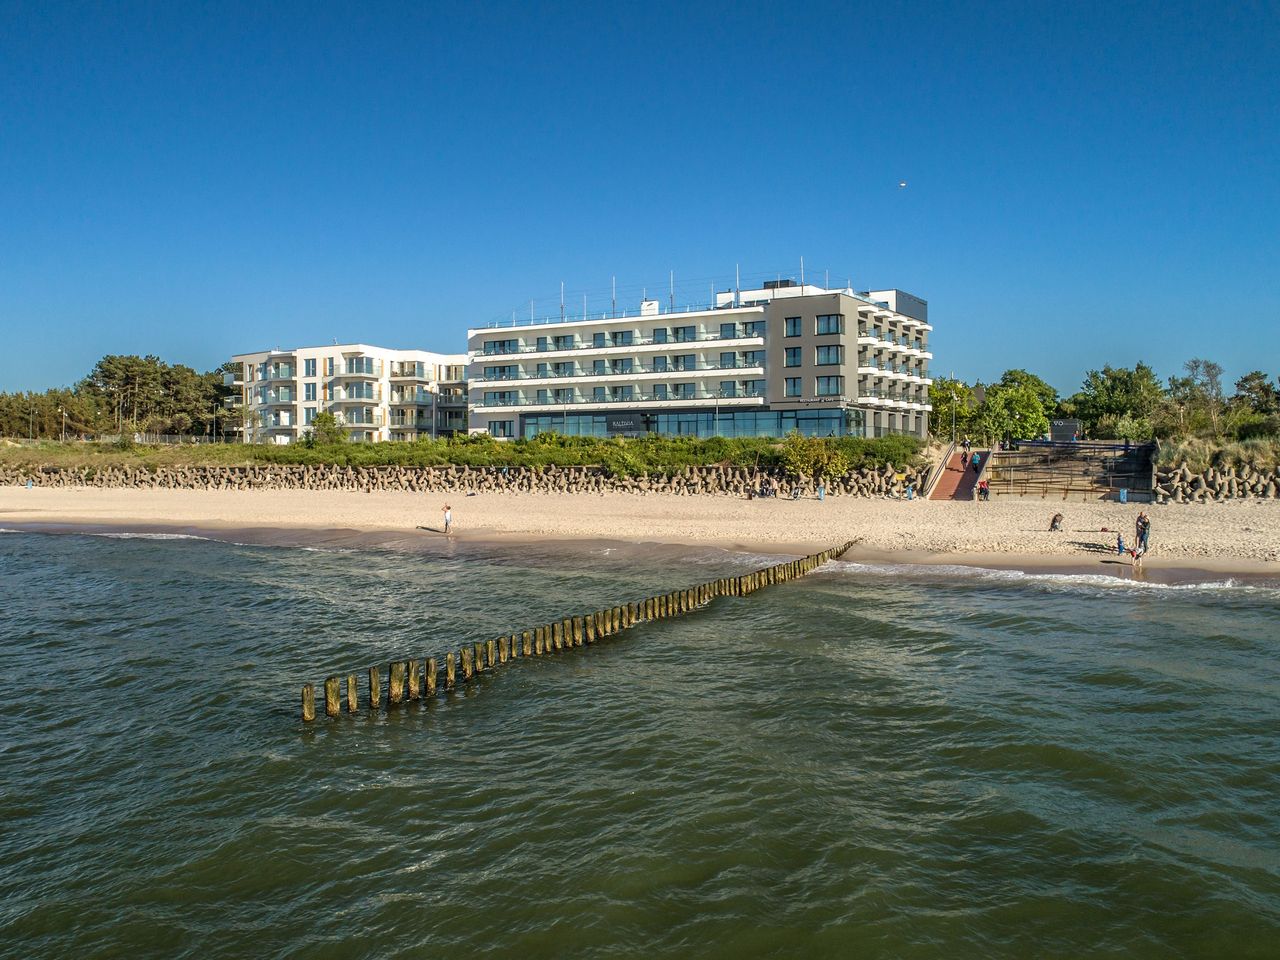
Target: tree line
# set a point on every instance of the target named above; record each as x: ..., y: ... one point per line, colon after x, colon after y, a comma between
x: 125, y: 395
x: 1114, y: 403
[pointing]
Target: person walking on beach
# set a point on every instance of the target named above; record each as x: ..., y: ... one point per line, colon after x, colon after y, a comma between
x: 448, y: 519
x: 1142, y: 531
x: 976, y: 462
x: 1055, y: 525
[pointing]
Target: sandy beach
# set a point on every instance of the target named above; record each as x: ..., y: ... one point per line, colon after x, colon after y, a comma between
x: 1235, y: 535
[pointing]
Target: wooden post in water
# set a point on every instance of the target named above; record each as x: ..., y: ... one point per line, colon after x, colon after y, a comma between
x: 450, y: 671
x: 331, y: 703
x: 431, y: 676
x: 468, y: 664
x: 491, y: 654
x: 539, y: 641
x: 395, y: 695
x: 557, y: 636
x: 353, y: 697
x: 308, y: 702
x: 566, y: 629
x: 617, y: 619
x: 577, y: 631
x: 375, y: 688
x: 504, y: 644
x: 478, y: 649
x: 415, y: 678
x: 589, y: 628
x: 526, y: 644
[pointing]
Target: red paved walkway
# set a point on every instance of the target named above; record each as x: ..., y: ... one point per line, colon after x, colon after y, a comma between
x: 958, y: 479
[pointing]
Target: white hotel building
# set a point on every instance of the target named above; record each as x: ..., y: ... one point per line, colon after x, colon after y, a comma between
x: 375, y: 393
x: 828, y: 362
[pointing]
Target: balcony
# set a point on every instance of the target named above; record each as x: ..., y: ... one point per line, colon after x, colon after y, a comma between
x: 357, y: 420
x: 281, y: 372
x: 281, y: 397
x: 365, y: 367
x: 373, y: 395
x: 410, y: 371
x: 405, y: 398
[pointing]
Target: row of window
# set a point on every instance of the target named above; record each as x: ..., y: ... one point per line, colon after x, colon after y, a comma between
x: 627, y: 338
x: 623, y: 365
x: 793, y: 387
x: 824, y: 325
x: 824, y: 356
x: 726, y: 422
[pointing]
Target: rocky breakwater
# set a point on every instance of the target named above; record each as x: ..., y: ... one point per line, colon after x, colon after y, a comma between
x: 689, y: 481
x: 1181, y: 485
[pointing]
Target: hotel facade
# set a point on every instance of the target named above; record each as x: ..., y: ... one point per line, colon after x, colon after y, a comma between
x: 374, y: 393
x: 757, y: 362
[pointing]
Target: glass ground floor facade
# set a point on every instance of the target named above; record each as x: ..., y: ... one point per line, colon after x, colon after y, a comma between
x: 813, y: 422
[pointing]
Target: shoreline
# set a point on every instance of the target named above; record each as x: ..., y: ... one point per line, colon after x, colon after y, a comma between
x: 886, y: 532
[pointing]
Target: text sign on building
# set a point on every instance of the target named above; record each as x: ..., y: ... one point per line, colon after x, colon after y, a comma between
x: 624, y: 424
x: 1064, y: 431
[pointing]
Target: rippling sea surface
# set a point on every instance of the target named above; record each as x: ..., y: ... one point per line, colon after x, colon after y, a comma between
x: 869, y: 762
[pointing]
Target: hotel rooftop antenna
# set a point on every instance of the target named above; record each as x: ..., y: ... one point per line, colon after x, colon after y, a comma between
x: 562, y: 301
x: 737, y: 285
x: 531, y: 311
x: 584, y: 306
x: 673, y: 291
x: 802, y: 271
x: 613, y: 312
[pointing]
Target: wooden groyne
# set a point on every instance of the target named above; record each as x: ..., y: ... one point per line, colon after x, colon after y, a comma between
x: 420, y: 678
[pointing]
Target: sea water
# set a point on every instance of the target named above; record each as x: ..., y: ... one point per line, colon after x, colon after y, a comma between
x: 870, y: 762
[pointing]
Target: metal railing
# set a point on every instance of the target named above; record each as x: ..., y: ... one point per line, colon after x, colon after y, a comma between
x: 635, y: 342
x: 634, y: 398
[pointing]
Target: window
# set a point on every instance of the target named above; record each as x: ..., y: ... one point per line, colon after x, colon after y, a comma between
x: 792, y: 325
x: 792, y: 387
x: 621, y: 338
x: 502, y: 428
x: 685, y: 334
x: 825, y: 356
x: 501, y: 373
x: 753, y: 388
x: 599, y: 367
x: 597, y: 340
x: 328, y: 366
x: 308, y: 413
x: 308, y: 391
x: 728, y: 361
x: 500, y: 398
x: 683, y: 391
x: 623, y: 365
x: 543, y: 344
x: 829, y: 386
x: 563, y: 369
x: 564, y: 395
x: 753, y: 358
x: 659, y: 335
x: 792, y: 357
x: 598, y: 393
x: 659, y: 391
x: 753, y: 328
x: 830, y: 323
x: 659, y: 364
x: 564, y: 343
x: 728, y: 331
x: 685, y: 361
x: 728, y: 388
x: 624, y: 393
x: 309, y: 367
x: 544, y: 396
x: 493, y: 346
x: 543, y: 370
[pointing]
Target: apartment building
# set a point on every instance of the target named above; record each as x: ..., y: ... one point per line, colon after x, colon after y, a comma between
x: 762, y: 362
x: 375, y: 393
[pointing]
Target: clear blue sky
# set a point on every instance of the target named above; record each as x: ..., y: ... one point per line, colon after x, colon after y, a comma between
x: 1087, y: 182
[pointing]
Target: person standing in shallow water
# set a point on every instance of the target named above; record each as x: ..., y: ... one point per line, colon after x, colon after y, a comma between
x: 1142, y: 531
x: 448, y: 520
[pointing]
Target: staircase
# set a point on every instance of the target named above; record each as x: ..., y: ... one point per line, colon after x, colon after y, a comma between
x: 1090, y: 469
x: 959, y: 478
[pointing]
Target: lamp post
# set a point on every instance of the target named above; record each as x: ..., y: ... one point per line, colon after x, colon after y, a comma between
x: 64, y: 424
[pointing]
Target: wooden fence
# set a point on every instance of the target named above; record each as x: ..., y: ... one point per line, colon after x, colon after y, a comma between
x: 416, y: 679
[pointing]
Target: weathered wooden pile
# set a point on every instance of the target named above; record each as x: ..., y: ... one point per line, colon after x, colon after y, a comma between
x: 1180, y: 485
x: 417, y: 678
x: 690, y: 481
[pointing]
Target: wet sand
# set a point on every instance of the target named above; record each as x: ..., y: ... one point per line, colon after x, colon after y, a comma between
x: 1239, y: 536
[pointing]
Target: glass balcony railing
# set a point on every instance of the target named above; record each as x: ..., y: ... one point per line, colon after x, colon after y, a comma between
x: 635, y: 342
x: 633, y: 398
x: 610, y: 372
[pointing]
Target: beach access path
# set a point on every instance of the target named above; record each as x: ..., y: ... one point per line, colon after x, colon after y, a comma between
x: 1243, y: 535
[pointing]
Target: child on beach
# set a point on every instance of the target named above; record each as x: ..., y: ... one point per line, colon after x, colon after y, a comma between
x: 448, y: 519
x: 1055, y: 525
x: 1120, y: 550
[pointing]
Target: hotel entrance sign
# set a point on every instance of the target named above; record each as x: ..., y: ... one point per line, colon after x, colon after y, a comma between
x: 624, y: 424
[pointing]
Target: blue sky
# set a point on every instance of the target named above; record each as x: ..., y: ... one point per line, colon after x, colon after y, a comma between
x: 1087, y: 183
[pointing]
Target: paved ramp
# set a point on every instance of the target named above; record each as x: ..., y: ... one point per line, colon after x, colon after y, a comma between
x: 958, y: 479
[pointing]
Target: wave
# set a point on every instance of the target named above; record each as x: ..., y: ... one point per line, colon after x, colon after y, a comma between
x: 1045, y: 579
x: 152, y: 536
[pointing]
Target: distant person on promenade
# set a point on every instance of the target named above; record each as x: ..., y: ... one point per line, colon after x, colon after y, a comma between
x: 448, y: 519
x: 976, y: 462
x: 964, y: 445
x: 1055, y: 525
